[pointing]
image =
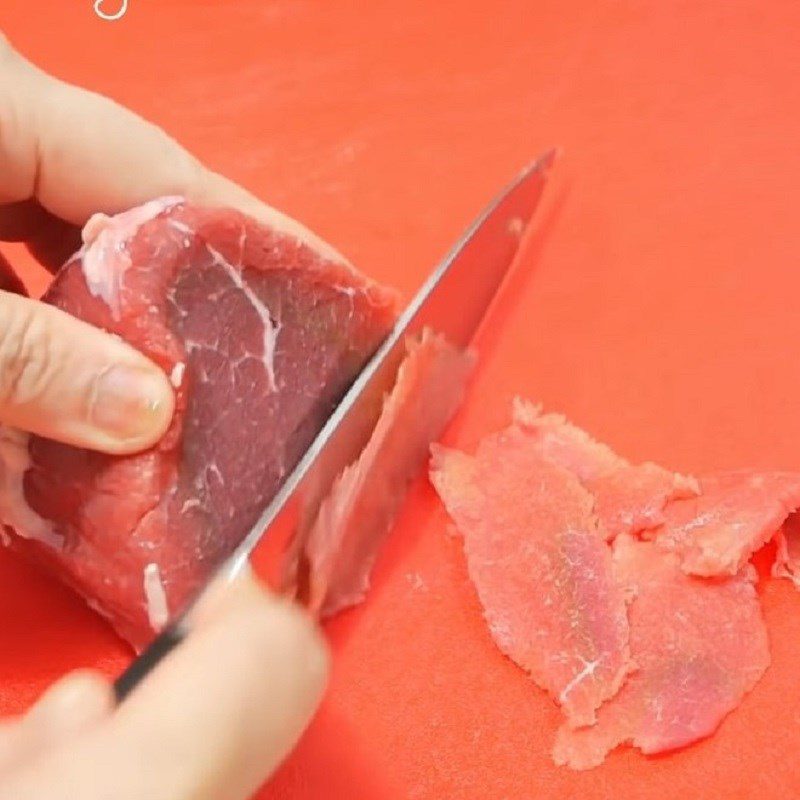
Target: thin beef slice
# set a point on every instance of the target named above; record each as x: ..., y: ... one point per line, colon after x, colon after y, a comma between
x: 628, y: 497
x: 699, y: 647
x: 787, y: 556
x: 355, y: 518
x: 733, y: 517
x: 261, y: 330
x: 542, y: 569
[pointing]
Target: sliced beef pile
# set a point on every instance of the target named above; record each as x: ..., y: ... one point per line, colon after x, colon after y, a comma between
x: 625, y: 591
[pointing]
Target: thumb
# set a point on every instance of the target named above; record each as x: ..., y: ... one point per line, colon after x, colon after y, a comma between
x: 63, y: 379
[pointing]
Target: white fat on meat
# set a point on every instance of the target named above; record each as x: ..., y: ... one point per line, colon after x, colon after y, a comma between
x: 15, y: 461
x: 292, y: 228
x: 155, y: 597
x: 271, y: 330
x: 176, y: 376
x: 98, y: 609
x: 105, y: 258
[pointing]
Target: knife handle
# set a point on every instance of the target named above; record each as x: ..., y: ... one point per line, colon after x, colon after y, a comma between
x: 141, y: 667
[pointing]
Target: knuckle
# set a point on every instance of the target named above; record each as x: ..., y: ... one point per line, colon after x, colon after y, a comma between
x: 17, y: 136
x: 9, y: 56
x: 26, y: 363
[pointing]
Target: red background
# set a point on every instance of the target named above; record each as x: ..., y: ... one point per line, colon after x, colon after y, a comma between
x: 655, y: 304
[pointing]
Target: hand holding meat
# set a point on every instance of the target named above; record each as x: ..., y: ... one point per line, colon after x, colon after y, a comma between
x: 219, y: 715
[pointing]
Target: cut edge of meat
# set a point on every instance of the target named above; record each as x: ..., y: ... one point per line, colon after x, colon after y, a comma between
x: 334, y: 272
x: 104, y: 257
x: 643, y: 490
x: 532, y: 418
x: 257, y: 211
x: 694, y: 529
x: 787, y: 553
x: 265, y: 214
x: 364, y: 500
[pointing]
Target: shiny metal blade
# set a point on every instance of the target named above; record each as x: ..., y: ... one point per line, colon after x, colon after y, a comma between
x: 455, y: 297
x: 452, y: 302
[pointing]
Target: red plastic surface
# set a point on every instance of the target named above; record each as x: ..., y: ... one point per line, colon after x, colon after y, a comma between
x: 656, y: 306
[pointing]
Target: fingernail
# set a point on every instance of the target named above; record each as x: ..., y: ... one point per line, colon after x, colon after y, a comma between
x: 131, y: 403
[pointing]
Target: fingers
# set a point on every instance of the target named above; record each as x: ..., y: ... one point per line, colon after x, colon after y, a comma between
x: 72, y: 706
x: 75, y: 704
x: 65, y: 380
x: 51, y: 240
x: 211, y: 723
x: 230, y: 704
x: 78, y: 153
x: 103, y: 157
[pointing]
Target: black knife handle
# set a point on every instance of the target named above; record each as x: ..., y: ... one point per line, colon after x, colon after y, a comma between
x: 140, y: 668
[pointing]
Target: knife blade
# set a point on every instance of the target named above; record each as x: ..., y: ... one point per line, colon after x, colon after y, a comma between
x: 452, y: 302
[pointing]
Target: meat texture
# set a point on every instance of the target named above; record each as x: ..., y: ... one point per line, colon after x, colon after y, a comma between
x: 628, y: 497
x: 354, y: 519
x: 699, y: 647
x: 553, y: 525
x: 542, y: 569
x: 736, y: 514
x: 261, y: 331
x: 787, y: 556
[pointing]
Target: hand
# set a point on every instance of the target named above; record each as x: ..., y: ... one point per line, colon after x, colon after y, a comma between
x: 221, y: 711
x: 211, y: 723
x: 65, y: 154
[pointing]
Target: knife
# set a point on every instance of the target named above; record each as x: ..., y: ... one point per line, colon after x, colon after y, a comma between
x: 452, y: 302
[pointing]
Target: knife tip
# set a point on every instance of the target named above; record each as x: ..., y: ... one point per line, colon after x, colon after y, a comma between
x: 544, y: 162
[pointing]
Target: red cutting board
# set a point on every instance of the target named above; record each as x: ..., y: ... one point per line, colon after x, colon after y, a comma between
x: 656, y: 304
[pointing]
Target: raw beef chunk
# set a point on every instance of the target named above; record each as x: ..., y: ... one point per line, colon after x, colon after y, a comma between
x: 261, y: 333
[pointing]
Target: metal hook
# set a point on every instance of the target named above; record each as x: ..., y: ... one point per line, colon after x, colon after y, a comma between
x: 98, y: 9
